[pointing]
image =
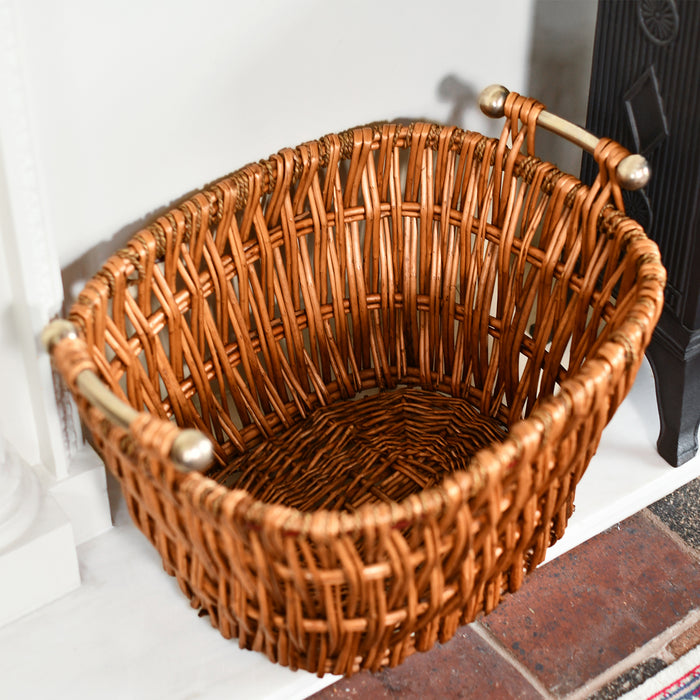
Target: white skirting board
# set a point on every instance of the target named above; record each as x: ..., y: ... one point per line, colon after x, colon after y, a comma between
x: 128, y: 632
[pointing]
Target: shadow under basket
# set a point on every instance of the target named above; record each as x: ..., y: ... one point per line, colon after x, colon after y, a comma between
x: 404, y: 342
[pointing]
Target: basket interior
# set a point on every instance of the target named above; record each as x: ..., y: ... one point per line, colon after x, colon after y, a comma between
x: 384, y: 446
x: 399, y: 261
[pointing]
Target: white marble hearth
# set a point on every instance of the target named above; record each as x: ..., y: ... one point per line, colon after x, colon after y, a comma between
x: 127, y: 632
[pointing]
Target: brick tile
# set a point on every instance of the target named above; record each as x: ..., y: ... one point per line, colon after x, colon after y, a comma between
x: 680, y: 510
x: 685, y: 641
x: 362, y: 685
x: 592, y: 607
x: 466, y: 667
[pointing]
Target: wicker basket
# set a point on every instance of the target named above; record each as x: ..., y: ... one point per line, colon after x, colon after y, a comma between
x: 404, y: 342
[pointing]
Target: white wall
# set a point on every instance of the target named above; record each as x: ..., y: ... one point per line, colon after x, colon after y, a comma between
x: 110, y: 111
x: 560, y: 68
x: 137, y: 102
x: 128, y: 106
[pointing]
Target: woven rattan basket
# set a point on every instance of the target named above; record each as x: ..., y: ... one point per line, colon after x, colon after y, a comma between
x: 403, y: 342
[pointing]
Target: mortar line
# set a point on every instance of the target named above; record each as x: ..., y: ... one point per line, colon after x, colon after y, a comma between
x: 672, y: 534
x: 654, y: 648
x: 508, y: 656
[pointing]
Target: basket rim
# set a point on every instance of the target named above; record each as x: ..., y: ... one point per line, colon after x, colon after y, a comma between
x: 533, y: 432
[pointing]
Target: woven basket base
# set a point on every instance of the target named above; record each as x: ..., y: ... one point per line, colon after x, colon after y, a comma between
x: 383, y: 447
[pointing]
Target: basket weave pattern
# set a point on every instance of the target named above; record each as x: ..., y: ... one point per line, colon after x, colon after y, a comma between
x: 490, y: 310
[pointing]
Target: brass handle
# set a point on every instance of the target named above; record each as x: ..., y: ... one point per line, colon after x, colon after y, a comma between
x: 633, y: 172
x: 191, y: 450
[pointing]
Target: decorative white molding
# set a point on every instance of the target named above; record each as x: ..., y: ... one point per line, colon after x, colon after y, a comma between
x: 31, y: 259
x: 39, y: 266
x: 38, y: 561
x: 62, y: 496
x: 20, y: 494
x: 40, y: 566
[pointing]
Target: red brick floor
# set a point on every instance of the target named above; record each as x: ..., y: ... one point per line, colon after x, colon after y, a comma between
x: 591, y: 624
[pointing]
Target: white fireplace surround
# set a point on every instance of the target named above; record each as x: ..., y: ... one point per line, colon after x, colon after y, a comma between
x: 52, y: 487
